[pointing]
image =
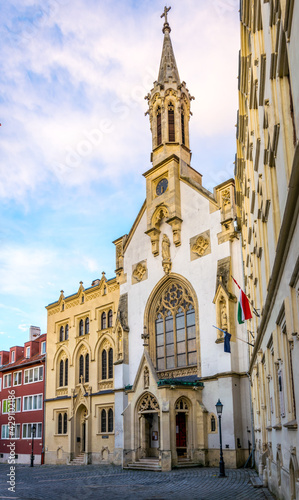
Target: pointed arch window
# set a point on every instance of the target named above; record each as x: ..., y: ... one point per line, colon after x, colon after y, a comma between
x: 103, y: 420
x: 104, y: 364
x: 60, y: 423
x: 61, y: 373
x: 65, y: 423
x: 110, y: 318
x: 183, y: 127
x: 66, y: 372
x: 81, y: 327
x: 61, y: 334
x: 103, y: 321
x: 171, y: 129
x: 110, y: 420
x: 110, y: 363
x: 66, y: 335
x: 86, y: 326
x: 159, y: 128
x: 175, y: 330
x: 81, y: 367
x: 87, y: 368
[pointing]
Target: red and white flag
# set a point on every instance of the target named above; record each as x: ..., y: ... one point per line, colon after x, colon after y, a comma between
x: 244, y: 311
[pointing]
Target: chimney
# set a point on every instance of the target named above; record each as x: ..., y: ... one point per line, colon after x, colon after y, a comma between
x: 34, y: 332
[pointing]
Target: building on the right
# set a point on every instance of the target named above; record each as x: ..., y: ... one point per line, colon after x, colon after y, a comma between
x: 267, y: 174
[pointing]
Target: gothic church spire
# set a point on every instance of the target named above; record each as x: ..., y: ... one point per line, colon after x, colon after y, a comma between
x: 168, y: 68
x: 169, y: 107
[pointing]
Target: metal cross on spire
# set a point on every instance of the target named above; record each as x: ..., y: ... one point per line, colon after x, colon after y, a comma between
x: 166, y: 10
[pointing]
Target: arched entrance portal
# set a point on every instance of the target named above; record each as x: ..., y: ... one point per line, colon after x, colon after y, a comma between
x: 149, y: 426
x: 181, y: 416
x: 81, y: 430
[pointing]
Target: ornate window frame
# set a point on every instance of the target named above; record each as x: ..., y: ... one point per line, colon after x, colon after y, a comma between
x: 150, y: 317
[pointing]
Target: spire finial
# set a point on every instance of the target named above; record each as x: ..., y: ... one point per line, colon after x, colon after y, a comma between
x: 166, y: 25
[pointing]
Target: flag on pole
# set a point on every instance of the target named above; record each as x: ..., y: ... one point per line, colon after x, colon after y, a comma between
x: 227, y: 337
x: 248, y: 305
x: 244, y: 311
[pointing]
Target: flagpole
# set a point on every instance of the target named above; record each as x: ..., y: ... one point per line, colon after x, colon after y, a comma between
x: 224, y: 331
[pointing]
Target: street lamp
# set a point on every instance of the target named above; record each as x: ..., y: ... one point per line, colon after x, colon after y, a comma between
x: 33, y: 429
x: 219, y: 408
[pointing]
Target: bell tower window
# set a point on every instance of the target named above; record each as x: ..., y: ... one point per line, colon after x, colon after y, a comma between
x: 159, y: 130
x: 183, y: 127
x: 171, y: 131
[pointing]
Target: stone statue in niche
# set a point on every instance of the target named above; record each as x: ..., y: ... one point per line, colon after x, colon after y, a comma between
x: 165, y: 247
x: 146, y: 377
x: 166, y: 259
x: 223, y: 316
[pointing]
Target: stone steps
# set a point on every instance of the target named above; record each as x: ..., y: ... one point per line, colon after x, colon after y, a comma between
x: 145, y: 464
x: 79, y: 460
x: 186, y: 463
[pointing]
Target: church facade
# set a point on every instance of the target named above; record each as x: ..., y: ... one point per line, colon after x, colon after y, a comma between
x: 172, y: 299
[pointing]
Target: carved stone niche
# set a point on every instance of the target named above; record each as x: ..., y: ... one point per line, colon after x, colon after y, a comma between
x: 121, y: 331
x: 139, y: 272
x: 200, y: 245
x: 224, y: 301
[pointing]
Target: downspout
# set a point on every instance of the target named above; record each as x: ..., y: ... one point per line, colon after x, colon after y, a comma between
x: 44, y: 413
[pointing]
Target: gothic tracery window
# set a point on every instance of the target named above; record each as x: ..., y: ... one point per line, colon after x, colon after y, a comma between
x: 175, y: 329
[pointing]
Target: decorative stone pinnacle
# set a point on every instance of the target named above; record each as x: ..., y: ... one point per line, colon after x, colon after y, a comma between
x: 166, y: 26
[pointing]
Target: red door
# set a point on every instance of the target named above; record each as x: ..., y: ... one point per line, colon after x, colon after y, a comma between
x: 181, y: 437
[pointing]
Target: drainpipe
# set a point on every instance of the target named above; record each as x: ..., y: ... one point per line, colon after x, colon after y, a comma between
x: 44, y: 413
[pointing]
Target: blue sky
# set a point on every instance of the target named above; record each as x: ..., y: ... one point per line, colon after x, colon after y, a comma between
x: 75, y: 141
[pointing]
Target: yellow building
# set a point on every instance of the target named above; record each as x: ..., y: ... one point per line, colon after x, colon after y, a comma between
x: 82, y: 348
x: 267, y: 179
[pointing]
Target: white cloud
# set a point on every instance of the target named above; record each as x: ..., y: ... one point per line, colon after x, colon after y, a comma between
x: 77, y: 66
x: 24, y: 328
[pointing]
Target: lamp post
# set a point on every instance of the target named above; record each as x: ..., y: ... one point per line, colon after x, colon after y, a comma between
x: 219, y: 408
x: 33, y: 429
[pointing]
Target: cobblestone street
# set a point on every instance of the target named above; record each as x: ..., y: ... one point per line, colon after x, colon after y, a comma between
x: 111, y: 482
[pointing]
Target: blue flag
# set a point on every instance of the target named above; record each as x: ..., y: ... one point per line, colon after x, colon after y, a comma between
x: 227, y: 337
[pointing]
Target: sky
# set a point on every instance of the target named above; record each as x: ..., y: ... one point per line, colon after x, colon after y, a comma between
x: 75, y: 141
